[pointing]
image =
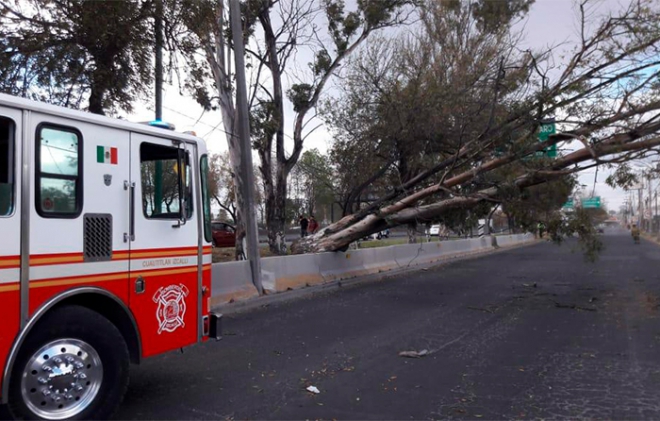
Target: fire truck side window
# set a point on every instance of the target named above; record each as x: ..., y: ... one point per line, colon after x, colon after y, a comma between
x: 162, y: 181
x: 6, y: 166
x: 58, y: 180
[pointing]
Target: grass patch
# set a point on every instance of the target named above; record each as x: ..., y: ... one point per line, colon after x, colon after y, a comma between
x: 396, y: 241
x: 228, y: 254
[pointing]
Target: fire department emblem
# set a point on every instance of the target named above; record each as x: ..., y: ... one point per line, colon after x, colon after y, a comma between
x: 171, y: 307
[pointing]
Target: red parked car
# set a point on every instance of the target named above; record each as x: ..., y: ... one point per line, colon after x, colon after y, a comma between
x: 224, y: 235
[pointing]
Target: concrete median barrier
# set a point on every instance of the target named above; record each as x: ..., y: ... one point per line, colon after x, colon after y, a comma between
x: 232, y: 282
x: 290, y: 272
x: 513, y: 239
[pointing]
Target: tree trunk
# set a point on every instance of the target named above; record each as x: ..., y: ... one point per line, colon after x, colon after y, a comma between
x: 412, y: 232
x: 96, y: 100
x: 276, y: 212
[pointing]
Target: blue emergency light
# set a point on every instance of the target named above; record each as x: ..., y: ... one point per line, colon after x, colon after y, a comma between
x: 160, y: 124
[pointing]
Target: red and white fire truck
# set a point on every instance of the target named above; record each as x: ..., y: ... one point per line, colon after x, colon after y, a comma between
x: 105, y: 255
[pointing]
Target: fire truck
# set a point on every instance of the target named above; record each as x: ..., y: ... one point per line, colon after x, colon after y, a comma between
x: 105, y: 255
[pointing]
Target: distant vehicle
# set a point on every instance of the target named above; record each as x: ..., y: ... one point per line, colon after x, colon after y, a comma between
x: 378, y: 235
x: 224, y: 234
x: 438, y: 230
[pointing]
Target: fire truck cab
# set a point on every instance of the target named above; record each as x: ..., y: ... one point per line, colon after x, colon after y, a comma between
x: 105, y: 255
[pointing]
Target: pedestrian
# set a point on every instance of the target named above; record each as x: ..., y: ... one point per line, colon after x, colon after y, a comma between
x: 635, y: 233
x: 303, y: 225
x: 541, y: 227
x: 313, y: 225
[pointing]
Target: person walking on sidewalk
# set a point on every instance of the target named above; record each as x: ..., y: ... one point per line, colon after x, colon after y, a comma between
x: 303, y: 225
x: 313, y: 225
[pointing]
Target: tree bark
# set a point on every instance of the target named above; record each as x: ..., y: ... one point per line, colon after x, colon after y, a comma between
x: 96, y: 99
x: 412, y: 232
x: 276, y: 213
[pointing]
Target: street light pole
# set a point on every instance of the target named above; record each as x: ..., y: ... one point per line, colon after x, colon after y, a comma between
x: 246, y: 171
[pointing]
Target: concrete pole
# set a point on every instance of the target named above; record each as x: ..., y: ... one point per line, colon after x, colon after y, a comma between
x: 158, y: 29
x: 243, y: 125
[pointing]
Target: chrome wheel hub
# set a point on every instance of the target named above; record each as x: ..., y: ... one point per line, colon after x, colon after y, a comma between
x: 62, y: 379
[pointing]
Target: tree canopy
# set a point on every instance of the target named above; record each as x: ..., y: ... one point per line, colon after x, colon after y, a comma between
x: 80, y: 54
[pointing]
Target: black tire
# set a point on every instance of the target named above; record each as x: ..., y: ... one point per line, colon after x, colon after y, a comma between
x: 83, y: 324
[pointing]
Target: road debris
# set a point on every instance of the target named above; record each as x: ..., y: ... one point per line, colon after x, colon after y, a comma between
x: 415, y: 354
x: 313, y: 389
x: 573, y: 306
x: 487, y: 309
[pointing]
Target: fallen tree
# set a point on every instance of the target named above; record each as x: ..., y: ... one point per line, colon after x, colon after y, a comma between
x: 605, y: 98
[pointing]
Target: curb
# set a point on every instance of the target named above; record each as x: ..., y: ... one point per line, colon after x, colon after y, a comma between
x: 281, y: 297
x: 655, y: 240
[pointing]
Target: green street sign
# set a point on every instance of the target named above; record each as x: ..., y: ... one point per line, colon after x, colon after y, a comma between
x: 568, y: 205
x: 547, y: 128
x: 591, y: 203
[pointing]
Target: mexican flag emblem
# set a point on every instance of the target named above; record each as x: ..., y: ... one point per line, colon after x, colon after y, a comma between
x: 106, y: 155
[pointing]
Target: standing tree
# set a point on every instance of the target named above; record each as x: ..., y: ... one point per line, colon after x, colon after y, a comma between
x: 72, y: 53
x: 277, y: 30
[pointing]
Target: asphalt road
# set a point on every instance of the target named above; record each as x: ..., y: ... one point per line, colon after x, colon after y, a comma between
x: 534, y: 332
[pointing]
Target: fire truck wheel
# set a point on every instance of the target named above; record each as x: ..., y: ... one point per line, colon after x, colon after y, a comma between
x: 74, y: 365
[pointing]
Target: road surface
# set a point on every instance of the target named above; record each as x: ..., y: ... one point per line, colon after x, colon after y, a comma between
x: 533, y: 332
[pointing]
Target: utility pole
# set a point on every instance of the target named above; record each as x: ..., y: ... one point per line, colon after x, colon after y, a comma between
x: 655, y: 214
x: 246, y: 184
x: 650, y: 206
x: 158, y: 29
x: 158, y: 167
x: 640, y: 208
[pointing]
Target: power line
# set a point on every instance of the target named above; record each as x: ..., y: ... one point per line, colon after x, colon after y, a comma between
x: 197, y: 121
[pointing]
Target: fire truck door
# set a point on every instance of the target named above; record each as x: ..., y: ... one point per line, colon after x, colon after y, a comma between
x: 164, y: 243
x: 10, y: 226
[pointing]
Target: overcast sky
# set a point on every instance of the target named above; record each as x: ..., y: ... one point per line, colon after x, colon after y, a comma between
x: 550, y: 23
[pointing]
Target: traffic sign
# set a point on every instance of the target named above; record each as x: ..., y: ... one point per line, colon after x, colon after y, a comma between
x: 586, y: 203
x: 545, y: 130
x: 591, y: 203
